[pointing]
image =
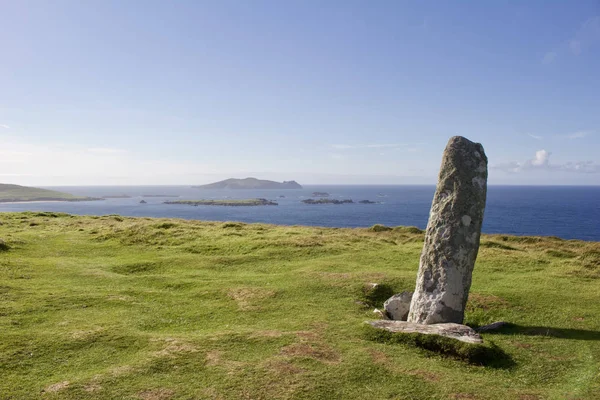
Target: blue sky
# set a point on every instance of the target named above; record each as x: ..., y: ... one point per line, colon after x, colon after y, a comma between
x: 184, y: 92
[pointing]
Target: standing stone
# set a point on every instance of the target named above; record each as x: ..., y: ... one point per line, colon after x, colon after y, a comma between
x: 452, y: 236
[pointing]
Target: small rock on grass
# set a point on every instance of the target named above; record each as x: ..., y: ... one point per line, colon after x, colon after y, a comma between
x: 398, y: 306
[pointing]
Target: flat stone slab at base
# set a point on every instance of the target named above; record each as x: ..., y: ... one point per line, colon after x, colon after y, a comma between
x: 449, y: 330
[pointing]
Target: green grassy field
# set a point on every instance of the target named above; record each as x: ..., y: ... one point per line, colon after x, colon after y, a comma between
x: 139, y: 308
x: 11, y: 193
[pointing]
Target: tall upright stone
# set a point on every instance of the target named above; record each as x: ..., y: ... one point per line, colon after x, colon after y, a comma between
x: 452, y: 236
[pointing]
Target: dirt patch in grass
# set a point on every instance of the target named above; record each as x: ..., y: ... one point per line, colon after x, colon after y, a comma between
x: 334, y: 275
x: 246, y: 298
x: 266, y: 334
x: 215, y: 358
x: 308, y: 335
x: 92, y: 387
x: 478, y: 301
x: 283, y: 367
x: 426, y: 375
x: 122, y: 370
x: 56, y: 387
x: 318, y: 352
x: 174, y: 347
x: 379, y: 357
x: 156, y: 394
x: 86, y: 334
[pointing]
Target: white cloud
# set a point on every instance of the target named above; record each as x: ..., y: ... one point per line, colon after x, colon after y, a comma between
x: 54, y: 164
x: 541, y: 158
x: 12, y: 156
x: 541, y: 162
x: 367, y: 146
x: 4, y: 126
x: 390, y: 145
x: 549, y: 57
x: 105, y: 150
x: 578, y: 135
x: 586, y: 36
x: 535, y: 136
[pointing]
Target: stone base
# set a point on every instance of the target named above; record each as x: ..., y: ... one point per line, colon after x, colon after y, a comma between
x: 449, y: 330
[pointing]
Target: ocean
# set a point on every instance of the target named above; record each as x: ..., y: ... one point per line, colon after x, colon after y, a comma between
x: 569, y: 212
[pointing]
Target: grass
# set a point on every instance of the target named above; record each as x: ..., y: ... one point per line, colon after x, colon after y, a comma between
x: 140, y: 308
x: 228, y: 202
x: 12, y: 193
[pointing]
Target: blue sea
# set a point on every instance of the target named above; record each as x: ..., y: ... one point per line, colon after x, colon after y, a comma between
x: 568, y: 212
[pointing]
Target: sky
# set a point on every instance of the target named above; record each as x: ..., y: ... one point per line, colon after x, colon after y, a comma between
x: 323, y: 92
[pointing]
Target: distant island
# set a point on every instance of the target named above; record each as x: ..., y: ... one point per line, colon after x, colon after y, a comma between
x: 228, y: 202
x: 335, y: 201
x: 320, y: 194
x: 16, y: 193
x: 327, y: 201
x: 250, y: 183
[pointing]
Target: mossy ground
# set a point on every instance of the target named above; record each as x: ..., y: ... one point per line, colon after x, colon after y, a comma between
x: 140, y: 308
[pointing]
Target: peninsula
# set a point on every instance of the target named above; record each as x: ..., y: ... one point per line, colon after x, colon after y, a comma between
x: 250, y: 183
x: 15, y: 193
x: 227, y: 202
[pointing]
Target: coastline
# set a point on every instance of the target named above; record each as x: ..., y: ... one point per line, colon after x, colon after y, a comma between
x: 47, y: 201
x: 498, y: 240
x: 566, y: 213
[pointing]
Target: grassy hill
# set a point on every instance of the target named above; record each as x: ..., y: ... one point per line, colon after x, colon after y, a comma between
x: 11, y: 193
x: 140, y: 308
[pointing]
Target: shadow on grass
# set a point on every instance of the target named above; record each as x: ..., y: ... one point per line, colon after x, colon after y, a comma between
x: 488, y: 355
x: 561, y: 333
